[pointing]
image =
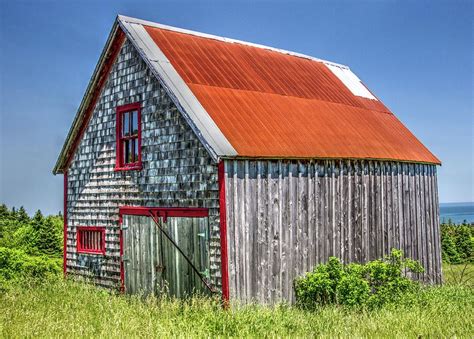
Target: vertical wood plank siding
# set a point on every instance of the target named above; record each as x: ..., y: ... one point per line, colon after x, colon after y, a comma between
x: 177, y: 170
x: 283, y: 217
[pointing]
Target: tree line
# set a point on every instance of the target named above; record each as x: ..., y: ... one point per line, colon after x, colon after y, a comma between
x: 38, y: 235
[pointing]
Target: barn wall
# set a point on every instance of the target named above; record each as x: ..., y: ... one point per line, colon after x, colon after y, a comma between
x: 283, y: 217
x: 177, y: 170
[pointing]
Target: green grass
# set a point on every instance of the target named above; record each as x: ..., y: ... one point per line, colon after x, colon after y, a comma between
x: 462, y: 274
x: 66, y: 308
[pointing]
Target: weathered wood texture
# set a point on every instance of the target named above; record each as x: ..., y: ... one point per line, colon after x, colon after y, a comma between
x: 177, y: 169
x: 283, y: 217
x: 154, y: 266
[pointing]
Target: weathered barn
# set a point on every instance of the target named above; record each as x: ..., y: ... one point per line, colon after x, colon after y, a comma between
x: 197, y: 160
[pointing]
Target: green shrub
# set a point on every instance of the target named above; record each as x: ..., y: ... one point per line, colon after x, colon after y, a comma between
x: 17, y: 266
x: 36, y: 236
x: 457, y: 243
x: 353, y: 289
x: 373, y: 284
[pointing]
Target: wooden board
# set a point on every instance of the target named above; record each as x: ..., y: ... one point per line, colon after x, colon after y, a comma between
x: 286, y: 216
x: 152, y: 263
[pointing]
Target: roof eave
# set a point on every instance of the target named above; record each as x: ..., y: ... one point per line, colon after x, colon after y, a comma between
x: 434, y: 162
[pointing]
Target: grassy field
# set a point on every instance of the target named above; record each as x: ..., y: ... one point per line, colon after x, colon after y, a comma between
x: 66, y: 308
x: 459, y: 274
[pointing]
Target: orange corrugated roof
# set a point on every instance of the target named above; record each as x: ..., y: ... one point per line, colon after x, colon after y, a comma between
x: 272, y: 104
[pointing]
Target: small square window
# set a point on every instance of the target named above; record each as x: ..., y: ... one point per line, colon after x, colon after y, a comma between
x: 91, y: 240
x: 128, y: 138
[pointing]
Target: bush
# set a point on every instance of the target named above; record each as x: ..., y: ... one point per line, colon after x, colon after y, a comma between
x: 17, y: 266
x: 457, y: 243
x: 373, y: 284
x: 36, y: 236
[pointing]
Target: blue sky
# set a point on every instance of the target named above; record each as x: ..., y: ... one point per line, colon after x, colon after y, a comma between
x: 417, y: 56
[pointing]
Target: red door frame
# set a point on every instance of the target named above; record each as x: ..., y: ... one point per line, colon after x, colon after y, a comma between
x: 155, y: 212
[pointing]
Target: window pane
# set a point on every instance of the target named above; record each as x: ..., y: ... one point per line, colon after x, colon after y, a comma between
x: 130, y: 151
x: 134, y: 122
x: 126, y: 153
x: 126, y: 124
x: 135, y: 149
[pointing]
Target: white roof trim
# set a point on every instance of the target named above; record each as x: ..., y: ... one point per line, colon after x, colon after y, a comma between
x: 126, y: 19
x: 195, y: 114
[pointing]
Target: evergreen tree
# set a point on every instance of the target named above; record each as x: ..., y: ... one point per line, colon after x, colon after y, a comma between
x: 4, y: 212
x: 8, y: 225
x: 22, y: 216
x: 38, y: 221
x: 4, y: 217
x: 13, y: 213
x: 47, y: 237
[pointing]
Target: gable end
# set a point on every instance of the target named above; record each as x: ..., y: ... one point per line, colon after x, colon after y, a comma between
x: 111, y: 50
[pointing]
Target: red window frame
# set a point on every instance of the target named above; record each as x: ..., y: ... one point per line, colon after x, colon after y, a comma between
x: 85, y: 248
x: 120, y: 165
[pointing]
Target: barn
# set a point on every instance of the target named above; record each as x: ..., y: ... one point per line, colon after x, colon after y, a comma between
x: 197, y: 163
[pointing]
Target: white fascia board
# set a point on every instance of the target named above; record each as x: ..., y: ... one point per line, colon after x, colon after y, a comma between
x: 199, y: 120
x: 127, y: 19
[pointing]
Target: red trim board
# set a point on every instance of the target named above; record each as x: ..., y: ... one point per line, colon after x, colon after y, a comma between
x: 223, y: 229
x: 65, y: 224
x: 190, y: 212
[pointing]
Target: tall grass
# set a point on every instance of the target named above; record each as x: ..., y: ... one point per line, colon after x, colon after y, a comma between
x: 72, y: 309
x: 462, y: 274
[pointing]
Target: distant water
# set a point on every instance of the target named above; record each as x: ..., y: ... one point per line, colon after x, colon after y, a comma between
x: 457, y: 212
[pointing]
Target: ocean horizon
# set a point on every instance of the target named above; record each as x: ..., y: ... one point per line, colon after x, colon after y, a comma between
x: 457, y: 212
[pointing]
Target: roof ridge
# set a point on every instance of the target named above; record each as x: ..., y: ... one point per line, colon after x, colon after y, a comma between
x: 132, y: 20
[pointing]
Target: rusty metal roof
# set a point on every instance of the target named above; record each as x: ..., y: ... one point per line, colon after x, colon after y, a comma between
x: 249, y: 100
x: 269, y: 103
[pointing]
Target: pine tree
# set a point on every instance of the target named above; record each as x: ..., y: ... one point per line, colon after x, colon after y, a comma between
x: 13, y: 213
x: 22, y: 216
x: 4, y: 217
x: 37, y: 221
x: 47, y: 240
x: 4, y: 212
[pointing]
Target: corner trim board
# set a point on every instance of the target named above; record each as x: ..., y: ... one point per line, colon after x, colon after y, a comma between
x: 65, y: 188
x: 223, y: 232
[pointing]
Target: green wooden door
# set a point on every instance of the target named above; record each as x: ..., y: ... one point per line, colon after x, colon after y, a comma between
x: 152, y: 263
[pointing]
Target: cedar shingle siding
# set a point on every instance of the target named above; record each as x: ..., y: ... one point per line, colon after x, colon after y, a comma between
x: 177, y: 170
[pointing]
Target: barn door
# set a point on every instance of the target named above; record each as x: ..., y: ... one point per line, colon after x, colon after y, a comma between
x: 153, y: 263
